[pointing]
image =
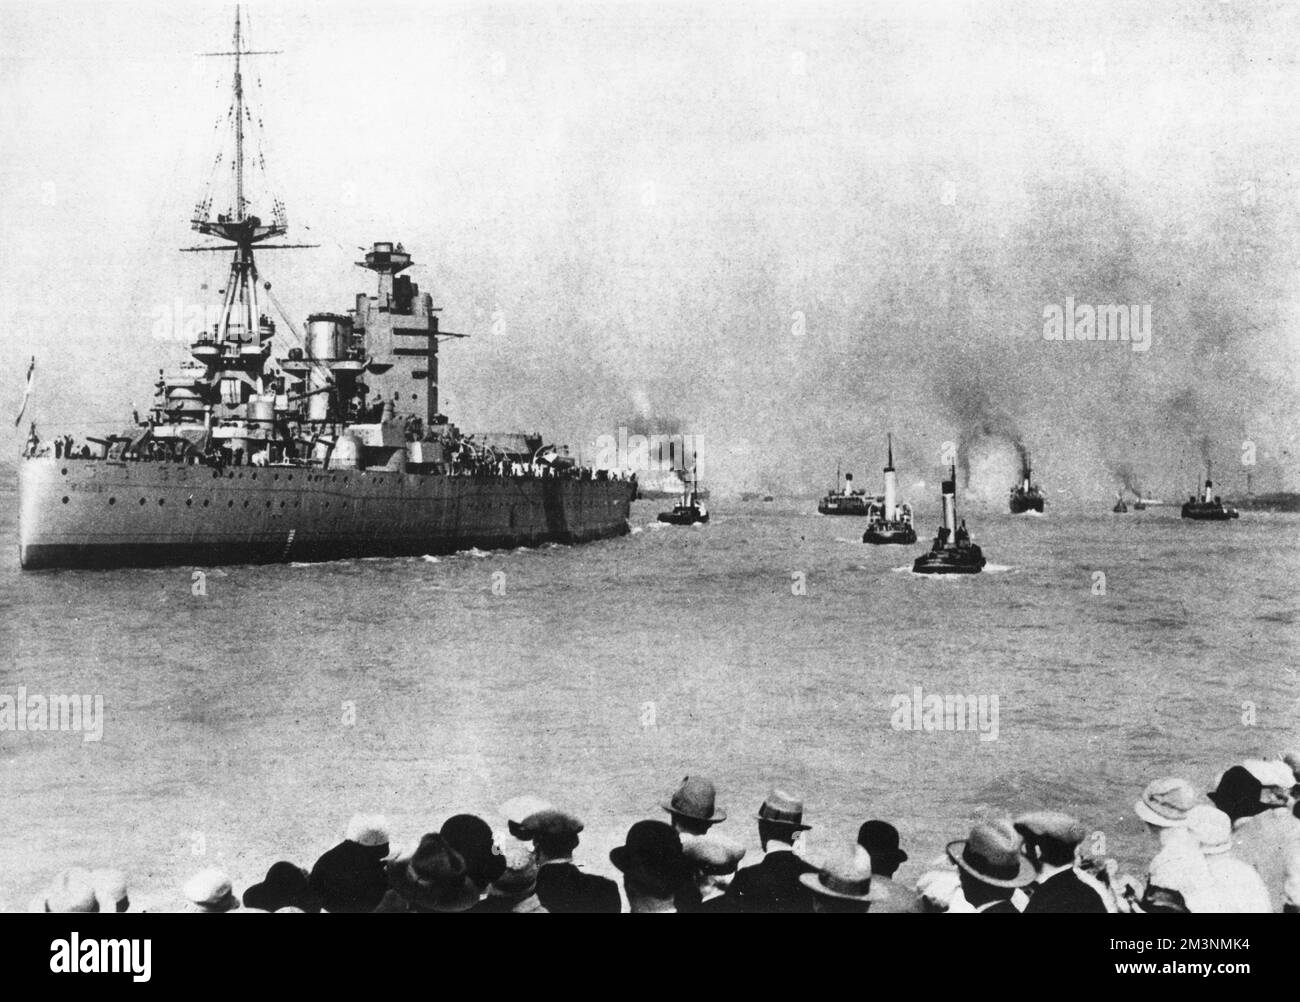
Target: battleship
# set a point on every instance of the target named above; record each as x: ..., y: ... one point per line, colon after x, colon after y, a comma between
x: 848, y: 501
x: 274, y: 444
x: 888, y: 521
x: 952, y: 551
x: 1209, y: 507
x: 1026, y: 496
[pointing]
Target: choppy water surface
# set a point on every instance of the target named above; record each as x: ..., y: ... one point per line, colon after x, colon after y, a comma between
x: 249, y: 722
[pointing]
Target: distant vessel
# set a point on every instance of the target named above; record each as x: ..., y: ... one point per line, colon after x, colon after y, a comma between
x: 688, y: 511
x: 847, y: 501
x: 888, y: 521
x: 952, y: 552
x: 1140, y: 504
x: 1026, y: 496
x: 1120, y: 507
x: 250, y: 458
x: 1209, y: 507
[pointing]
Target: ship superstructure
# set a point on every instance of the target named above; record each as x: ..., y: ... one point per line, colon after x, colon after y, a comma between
x: 279, y: 443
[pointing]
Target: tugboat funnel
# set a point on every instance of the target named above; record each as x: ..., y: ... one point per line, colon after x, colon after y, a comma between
x: 950, y: 503
x: 1209, y: 492
x: 891, y: 486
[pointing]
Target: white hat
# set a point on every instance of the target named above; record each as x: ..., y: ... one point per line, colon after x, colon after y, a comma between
x: 1211, y: 828
x: 517, y: 809
x: 210, y: 891
x: 368, y: 829
x: 1270, y: 772
x: 71, y: 891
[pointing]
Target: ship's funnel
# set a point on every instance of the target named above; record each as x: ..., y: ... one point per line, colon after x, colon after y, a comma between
x: 891, y: 486
x: 950, y: 504
x: 1209, y: 492
x: 848, y: 483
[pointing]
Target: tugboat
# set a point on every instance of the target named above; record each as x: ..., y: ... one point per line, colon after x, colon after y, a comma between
x: 1120, y: 507
x: 1026, y: 496
x: 845, y: 502
x: 952, y: 552
x: 888, y: 521
x: 688, y: 511
x: 1209, y: 507
x: 1140, y: 504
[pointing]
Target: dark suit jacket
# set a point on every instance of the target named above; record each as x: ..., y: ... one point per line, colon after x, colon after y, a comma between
x: 562, y: 887
x: 1064, y: 892
x: 772, y: 885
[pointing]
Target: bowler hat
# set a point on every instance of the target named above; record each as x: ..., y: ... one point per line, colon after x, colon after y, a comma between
x: 694, y: 799
x: 782, y: 809
x: 472, y: 837
x: 652, y: 857
x: 992, y: 855
x: 880, y: 839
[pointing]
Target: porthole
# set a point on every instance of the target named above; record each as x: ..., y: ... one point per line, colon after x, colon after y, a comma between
x: 65, y: 471
x: 268, y: 504
x: 189, y: 502
x: 142, y: 500
x: 230, y: 504
x: 245, y: 504
x: 161, y: 502
x: 281, y: 504
x: 65, y: 499
x: 206, y: 502
x: 112, y: 500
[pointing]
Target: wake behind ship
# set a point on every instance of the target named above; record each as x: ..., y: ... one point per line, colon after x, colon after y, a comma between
x: 260, y: 450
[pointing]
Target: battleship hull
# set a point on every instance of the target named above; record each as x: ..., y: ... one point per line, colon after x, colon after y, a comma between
x: 101, y: 514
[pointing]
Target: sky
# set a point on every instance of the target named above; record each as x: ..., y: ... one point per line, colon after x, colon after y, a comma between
x: 783, y: 228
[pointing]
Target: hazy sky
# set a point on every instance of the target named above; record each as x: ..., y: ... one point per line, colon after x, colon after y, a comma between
x: 647, y: 198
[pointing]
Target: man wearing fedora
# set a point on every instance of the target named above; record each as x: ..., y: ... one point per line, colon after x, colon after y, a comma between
x: 773, y: 884
x: 844, y: 884
x: 880, y: 840
x: 1051, y: 843
x: 561, y: 886
x: 434, y: 879
x: 693, y: 807
x: 991, y: 866
x: 654, y: 867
